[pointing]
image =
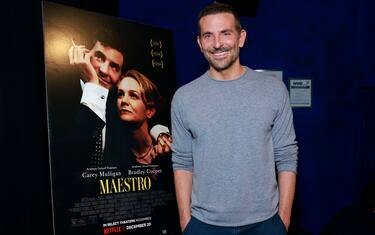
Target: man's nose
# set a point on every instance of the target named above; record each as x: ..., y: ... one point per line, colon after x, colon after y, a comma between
x: 217, y: 42
x: 104, y: 67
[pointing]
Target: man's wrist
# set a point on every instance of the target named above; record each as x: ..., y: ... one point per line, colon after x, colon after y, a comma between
x: 184, y: 221
x: 285, y: 217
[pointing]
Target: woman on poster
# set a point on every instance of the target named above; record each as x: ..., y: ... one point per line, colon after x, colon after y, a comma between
x: 137, y: 102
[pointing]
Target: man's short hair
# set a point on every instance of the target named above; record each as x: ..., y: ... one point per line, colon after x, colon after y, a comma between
x: 216, y: 8
x: 108, y: 37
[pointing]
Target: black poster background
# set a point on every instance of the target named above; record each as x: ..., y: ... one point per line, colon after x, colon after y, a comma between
x: 79, y: 207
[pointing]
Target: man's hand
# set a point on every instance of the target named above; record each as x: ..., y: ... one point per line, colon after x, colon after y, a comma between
x: 183, y: 181
x: 160, y: 134
x: 164, y: 144
x: 80, y: 56
x: 287, y: 185
x: 184, y: 222
x: 285, y: 219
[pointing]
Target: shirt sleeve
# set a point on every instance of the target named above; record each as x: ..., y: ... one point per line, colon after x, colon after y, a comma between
x: 95, y: 97
x: 157, y: 130
x: 284, y: 137
x: 182, y: 157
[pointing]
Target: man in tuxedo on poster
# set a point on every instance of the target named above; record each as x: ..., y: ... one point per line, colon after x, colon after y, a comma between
x: 101, y: 68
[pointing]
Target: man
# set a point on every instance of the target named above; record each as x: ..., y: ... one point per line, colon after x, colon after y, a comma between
x: 231, y: 128
x: 101, y: 68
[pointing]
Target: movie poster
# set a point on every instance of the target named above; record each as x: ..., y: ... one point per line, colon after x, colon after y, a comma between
x: 109, y: 84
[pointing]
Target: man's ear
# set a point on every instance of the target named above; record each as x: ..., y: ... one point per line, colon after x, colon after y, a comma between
x: 199, y: 42
x: 242, y: 38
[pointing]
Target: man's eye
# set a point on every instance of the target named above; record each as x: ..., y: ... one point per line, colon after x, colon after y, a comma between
x: 115, y: 67
x: 99, y: 56
x: 99, y: 59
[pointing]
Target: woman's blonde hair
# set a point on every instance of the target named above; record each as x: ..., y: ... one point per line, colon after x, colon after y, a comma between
x: 149, y: 92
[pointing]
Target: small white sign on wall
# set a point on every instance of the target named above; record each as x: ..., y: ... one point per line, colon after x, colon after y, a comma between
x: 300, y: 92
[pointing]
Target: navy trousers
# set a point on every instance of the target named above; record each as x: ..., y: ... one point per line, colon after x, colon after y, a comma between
x: 271, y: 226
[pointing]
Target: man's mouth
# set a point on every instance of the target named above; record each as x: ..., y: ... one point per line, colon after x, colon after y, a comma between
x: 219, y: 53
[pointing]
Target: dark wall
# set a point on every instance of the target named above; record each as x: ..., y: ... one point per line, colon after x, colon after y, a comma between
x: 23, y: 122
x: 327, y: 42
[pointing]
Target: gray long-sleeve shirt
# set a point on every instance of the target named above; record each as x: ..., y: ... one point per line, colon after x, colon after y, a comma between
x: 232, y: 135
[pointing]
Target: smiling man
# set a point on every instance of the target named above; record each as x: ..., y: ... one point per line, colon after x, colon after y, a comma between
x: 234, y: 149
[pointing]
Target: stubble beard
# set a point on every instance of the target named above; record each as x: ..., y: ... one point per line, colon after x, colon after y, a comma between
x: 224, y: 64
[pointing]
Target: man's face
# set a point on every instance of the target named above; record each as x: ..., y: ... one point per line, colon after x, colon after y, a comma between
x: 107, y: 63
x: 219, y: 40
